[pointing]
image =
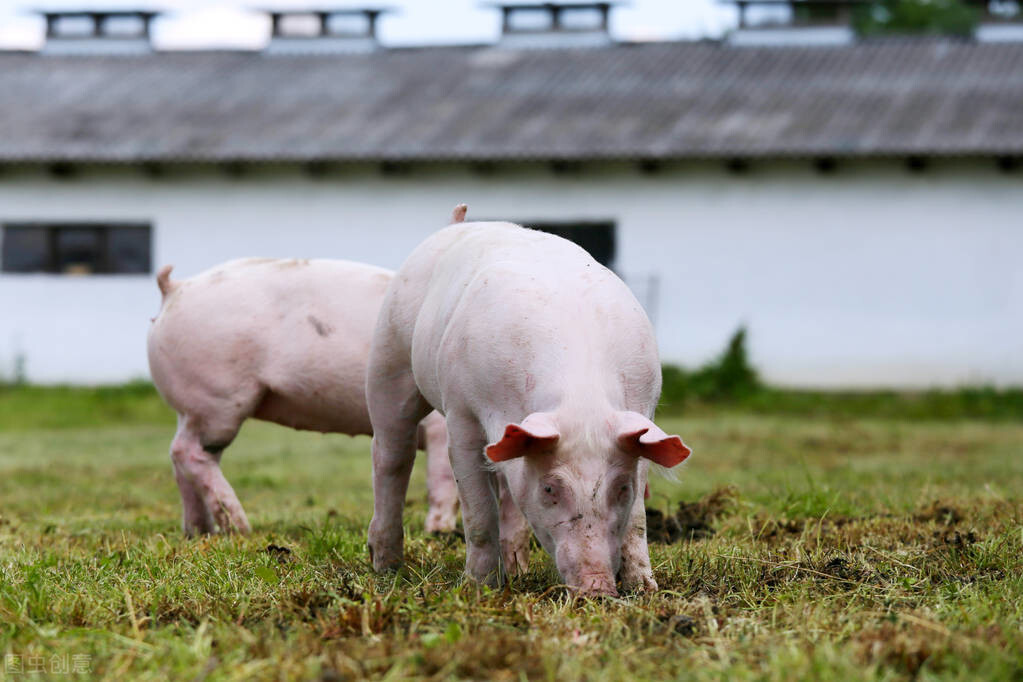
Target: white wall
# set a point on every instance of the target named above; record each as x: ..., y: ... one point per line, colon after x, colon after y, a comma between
x: 871, y: 276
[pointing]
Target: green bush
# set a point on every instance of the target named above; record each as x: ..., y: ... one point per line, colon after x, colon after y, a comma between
x: 728, y: 378
x: 731, y: 382
x: 915, y: 17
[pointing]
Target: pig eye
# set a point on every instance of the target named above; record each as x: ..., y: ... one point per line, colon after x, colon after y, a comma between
x: 622, y: 491
x: 551, y: 493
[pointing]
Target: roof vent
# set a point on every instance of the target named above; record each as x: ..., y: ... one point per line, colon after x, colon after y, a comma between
x: 549, y: 24
x: 323, y: 30
x: 98, y: 32
x: 794, y: 22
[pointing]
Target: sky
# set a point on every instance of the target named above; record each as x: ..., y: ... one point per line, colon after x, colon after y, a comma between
x: 194, y: 24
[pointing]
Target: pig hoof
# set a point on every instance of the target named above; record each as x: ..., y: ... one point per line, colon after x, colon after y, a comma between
x: 491, y: 579
x: 643, y: 584
x: 386, y: 549
x: 516, y: 561
x: 238, y: 528
x: 384, y: 562
x: 437, y: 523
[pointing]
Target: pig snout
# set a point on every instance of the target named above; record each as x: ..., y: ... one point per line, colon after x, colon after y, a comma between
x: 595, y: 585
x: 590, y: 576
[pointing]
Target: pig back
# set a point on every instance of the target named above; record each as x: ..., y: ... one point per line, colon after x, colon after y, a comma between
x: 519, y: 317
x: 295, y: 333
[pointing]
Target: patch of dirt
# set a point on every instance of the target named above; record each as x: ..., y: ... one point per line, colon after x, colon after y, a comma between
x: 693, y: 520
x: 954, y: 538
x: 852, y: 530
x: 945, y: 513
x: 840, y: 567
x: 680, y: 624
x: 282, y: 554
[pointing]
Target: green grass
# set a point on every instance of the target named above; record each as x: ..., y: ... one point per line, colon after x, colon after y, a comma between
x: 137, y: 403
x: 66, y: 407
x: 974, y: 403
x: 840, y: 548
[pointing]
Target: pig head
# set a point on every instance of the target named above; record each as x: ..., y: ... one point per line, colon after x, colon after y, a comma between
x: 579, y: 489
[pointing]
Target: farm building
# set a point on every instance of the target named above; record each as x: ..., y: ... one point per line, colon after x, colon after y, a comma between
x: 858, y: 205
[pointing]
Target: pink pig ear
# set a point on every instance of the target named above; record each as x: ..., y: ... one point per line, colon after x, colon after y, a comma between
x: 640, y: 436
x: 536, y: 433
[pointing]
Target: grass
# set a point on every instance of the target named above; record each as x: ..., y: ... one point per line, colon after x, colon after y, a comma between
x: 827, y: 548
x: 67, y: 407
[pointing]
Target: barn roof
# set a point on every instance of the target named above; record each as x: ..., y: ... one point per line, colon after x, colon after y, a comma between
x: 643, y: 101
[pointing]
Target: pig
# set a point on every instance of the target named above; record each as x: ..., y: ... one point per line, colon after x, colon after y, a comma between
x: 285, y: 341
x: 546, y: 369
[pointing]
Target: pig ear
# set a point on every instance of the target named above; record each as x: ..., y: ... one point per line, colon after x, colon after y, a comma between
x: 640, y: 436
x: 536, y: 433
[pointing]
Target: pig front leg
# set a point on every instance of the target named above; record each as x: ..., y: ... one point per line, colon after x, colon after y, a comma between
x: 636, y: 573
x: 477, y: 488
x: 442, y: 492
x: 515, y: 532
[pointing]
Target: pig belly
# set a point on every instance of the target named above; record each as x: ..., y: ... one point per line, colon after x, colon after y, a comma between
x: 315, y: 409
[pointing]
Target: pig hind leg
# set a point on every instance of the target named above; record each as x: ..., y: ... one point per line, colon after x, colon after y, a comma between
x: 395, y: 409
x: 195, y: 519
x: 440, y: 480
x: 196, y: 458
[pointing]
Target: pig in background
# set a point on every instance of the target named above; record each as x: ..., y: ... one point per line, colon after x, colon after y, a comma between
x: 285, y: 341
x: 546, y: 369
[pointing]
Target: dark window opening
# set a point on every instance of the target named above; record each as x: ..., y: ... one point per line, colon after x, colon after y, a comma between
x: 77, y: 248
x: 598, y: 238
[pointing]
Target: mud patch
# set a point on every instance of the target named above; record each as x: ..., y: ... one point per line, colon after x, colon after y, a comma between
x: 680, y: 624
x: 282, y: 554
x: 693, y: 520
x: 843, y: 569
x: 944, y: 513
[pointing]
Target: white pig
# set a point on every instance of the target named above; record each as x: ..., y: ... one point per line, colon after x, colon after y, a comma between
x: 546, y: 369
x: 285, y: 341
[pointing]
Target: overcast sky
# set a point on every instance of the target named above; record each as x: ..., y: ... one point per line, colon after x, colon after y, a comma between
x: 232, y: 23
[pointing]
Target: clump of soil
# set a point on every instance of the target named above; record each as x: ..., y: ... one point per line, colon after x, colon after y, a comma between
x: 693, y: 520
x: 680, y: 624
x: 282, y: 554
x: 954, y: 538
x: 942, y: 512
x: 842, y: 568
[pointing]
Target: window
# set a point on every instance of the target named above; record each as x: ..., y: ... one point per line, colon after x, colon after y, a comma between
x: 77, y: 248
x: 598, y: 238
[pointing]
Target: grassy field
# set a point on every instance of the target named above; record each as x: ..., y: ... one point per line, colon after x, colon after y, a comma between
x: 827, y: 548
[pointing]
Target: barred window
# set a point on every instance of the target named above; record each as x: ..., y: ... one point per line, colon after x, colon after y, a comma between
x: 77, y: 248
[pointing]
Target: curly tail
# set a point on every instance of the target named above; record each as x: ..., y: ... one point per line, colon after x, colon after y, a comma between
x: 458, y: 215
x: 163, y: 280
